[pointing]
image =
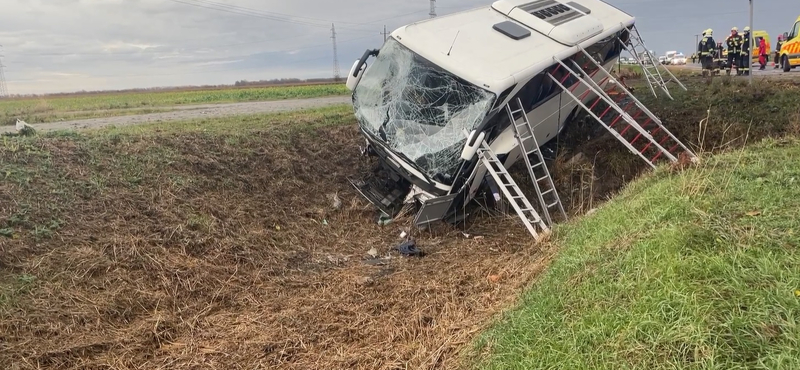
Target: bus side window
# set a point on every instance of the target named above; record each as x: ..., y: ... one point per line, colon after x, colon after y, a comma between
x: 795, y: 31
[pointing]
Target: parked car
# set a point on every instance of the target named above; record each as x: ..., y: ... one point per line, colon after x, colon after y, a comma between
x: 668, y: 56
x: 678, y: 59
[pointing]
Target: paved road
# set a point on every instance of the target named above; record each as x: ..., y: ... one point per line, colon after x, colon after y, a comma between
x: 192, y: 112
x: 769, y: 72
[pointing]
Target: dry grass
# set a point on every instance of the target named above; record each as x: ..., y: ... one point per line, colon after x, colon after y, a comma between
x: 210, y: 250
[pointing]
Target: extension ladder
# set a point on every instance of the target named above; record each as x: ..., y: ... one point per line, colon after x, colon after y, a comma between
x: 537, y: 169
x: 649, y: 139
x: 511, y: 191
x: 649, y: 63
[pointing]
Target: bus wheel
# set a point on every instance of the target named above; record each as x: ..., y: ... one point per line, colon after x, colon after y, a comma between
x: 786, y: 66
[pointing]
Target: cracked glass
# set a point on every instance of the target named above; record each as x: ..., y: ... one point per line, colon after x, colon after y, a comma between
x: 418, y: 109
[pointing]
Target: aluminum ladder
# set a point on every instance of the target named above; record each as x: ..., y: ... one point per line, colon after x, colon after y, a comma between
x: 651, y: 68
x: 649, y: 139
x: 537, y: 169
x: 512, y: 192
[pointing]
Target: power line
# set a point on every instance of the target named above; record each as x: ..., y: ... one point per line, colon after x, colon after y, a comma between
x: 3, y: 88
x: 335, y: 55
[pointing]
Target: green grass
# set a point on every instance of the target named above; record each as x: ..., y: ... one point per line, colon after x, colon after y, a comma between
x: 29, y: 162
x: 693, y: 271
x: 48, y: 109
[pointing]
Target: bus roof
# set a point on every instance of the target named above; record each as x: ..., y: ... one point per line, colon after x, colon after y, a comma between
x: 467, y: 44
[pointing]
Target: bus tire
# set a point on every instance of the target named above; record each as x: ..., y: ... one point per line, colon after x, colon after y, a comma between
x: 785, y: 62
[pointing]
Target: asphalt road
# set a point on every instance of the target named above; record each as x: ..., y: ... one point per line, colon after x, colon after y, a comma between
x: 191, y: 112
x: 769, y: 72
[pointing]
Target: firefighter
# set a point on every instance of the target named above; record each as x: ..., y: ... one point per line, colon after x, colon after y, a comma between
x: 778, y: 52
x: 705, y: 49
x: 745, y: 53
x: 734, y: 44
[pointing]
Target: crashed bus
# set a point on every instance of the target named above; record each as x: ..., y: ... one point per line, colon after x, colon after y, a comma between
x: 448, y: 103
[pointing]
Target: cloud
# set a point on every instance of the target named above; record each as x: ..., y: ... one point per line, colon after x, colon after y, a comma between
x: 97, y: 44
x: 217, y: 62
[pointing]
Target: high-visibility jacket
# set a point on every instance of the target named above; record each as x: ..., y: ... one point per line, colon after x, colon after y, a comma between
x: 706, y: 46
x: 734, y: 43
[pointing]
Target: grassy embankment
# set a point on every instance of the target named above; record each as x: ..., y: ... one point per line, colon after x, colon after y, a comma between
x: 48, y: 109
x: 690, y: 271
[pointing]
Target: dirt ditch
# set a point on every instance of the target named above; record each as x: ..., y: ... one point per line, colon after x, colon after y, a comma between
x: 227, y: 251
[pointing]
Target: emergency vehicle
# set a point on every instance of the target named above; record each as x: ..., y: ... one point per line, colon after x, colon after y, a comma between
x: 790, y: 51
x: 449, y: 103
x: 757, y: 36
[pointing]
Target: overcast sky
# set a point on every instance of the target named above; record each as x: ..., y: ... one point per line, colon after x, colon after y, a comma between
x: 71, y: 45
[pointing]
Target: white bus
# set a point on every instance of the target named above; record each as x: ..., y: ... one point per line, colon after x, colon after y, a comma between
x: 436, y: 79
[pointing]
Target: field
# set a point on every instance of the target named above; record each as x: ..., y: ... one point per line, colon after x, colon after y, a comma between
x: 58, y: 108
x: 216, y: 243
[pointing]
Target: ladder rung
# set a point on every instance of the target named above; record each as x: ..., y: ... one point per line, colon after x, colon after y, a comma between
x: 547, y: 192
x: 552, y: 204
x: 538, y: 164
x: 542, y: 178
x: 513, y: 112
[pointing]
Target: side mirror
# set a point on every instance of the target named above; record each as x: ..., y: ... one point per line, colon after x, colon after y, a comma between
x: 355, y: 76
x: 474, y: 141
x: 786, y: 35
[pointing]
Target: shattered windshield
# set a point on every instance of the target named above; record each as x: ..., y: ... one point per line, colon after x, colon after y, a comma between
x: 418, y: 109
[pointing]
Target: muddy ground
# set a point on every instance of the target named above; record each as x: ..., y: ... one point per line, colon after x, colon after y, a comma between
x: 227, y: 250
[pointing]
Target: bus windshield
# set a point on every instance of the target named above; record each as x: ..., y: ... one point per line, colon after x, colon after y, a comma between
x: 418, y: 109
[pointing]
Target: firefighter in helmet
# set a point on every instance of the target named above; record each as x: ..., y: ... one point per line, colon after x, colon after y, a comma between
x: 778, y: 51
x: 734, y: 44
x: 705, y: 49
x: 745, y: 56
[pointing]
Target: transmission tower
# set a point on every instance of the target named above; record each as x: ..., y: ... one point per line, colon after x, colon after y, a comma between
x: 3, y: 89
x: 335, y: 55
x: 433, y: 9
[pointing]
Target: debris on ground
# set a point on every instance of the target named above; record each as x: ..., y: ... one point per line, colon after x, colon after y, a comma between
x: 373, y: 252
x: 24, y: 129
x: 409, y: 248
x: 384, y: 219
